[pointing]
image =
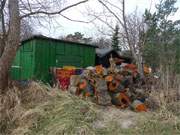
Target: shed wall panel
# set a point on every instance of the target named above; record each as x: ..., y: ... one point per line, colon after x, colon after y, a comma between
x: 27, y: 60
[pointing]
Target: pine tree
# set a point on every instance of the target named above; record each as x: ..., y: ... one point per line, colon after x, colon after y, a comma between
x: 115, y: 38
x: 162, y: 37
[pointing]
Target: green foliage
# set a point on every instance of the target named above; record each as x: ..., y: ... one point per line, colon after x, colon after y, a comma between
x: 115, y: 38
x: 162, y: 44
x: 177, y: 55
x: 78, y: 37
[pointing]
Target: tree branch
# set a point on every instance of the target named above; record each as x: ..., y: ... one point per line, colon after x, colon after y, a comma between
x: 80, y: 21
x: 3, y: 3
x: 101, y: 20
x: 112, y: 12
x: 113, y: 5
x: 2, y: 39
x: 53, y: 13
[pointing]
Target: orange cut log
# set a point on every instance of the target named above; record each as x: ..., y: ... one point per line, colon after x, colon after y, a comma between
x: 139, y: 106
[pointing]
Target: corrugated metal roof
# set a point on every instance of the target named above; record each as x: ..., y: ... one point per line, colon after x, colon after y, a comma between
x: 54, y: 39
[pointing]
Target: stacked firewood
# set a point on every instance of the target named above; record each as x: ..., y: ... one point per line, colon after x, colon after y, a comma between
x: 116, y: 85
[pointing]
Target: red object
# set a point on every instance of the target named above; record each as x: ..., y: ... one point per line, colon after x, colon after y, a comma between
x: 131, y: 67
x: 141, y: 108
x: 118, y: 61
x: 63, y: 76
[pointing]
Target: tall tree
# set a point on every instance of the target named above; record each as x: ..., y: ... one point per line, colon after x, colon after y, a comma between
x: 115, y: 38
x: 102, y: 42
x: 26, y: 29
x: 162, y: 35
x: 131, y: 28
x: 11, y: 43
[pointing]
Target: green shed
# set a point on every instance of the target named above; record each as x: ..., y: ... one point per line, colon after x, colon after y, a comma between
x: 37, y: 54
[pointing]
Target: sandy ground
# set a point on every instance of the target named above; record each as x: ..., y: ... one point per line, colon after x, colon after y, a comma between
x: 124, y: 118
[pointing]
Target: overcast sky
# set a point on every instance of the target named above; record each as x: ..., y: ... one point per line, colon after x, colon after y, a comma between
x: 64, y: 27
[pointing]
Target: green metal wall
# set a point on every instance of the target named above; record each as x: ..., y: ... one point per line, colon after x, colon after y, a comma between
x: 51, y: 53
x: 74, y: 55
x: 36, y: 56
x: 27, y: 61
x: 44, y: 59
x: 23, y: 65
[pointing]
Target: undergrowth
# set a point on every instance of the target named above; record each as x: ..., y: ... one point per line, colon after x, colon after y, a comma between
x: 40, y: 110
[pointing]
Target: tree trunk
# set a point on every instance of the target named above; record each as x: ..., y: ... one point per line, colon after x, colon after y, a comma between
x: 11, y: 45
x: 3, y: 78
x: 2, y: 39
x: 140, y: 65
x: 137, y: 57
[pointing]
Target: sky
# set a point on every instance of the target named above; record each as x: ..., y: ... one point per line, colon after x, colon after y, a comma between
x: 62, y: 26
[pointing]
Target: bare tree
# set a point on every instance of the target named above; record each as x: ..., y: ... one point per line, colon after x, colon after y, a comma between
x: 131, y: 26
x: 9, y: 46
x: 136, y: 29
x: 102, y: 42
x: 10, y: 37
x: 27, y: 29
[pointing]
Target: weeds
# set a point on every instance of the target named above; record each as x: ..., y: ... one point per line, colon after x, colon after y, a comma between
x: 39, y: 109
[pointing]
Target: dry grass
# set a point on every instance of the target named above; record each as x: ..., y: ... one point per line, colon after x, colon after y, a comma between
x: 10, y: 108
x: 40, y: 110
x: 35, y: 93
x: 36, y: 107
x: 14, y: 102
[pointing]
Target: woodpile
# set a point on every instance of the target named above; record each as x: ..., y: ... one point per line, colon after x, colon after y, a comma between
x: 116, y: 85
